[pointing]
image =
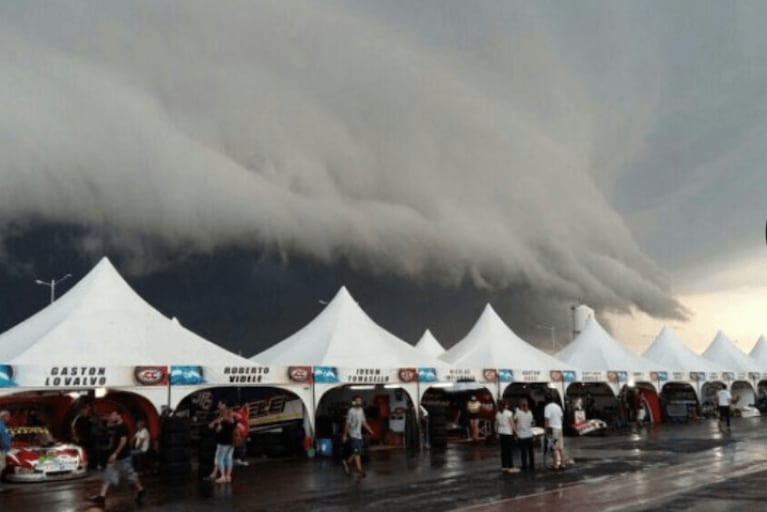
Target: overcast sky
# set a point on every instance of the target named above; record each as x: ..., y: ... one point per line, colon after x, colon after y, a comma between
x: 604, y: 152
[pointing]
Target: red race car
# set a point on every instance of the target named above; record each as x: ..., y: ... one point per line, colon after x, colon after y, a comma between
x: 36, y: 457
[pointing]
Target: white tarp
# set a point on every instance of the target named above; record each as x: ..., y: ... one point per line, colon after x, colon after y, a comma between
x: 342, y: 335
x: 595, y: 350
x: 723, y: 352
x: 671, y: 352
x: 759, y: 353
x: 102, y: 334
x: 492, y: 344
x: 429, y: 344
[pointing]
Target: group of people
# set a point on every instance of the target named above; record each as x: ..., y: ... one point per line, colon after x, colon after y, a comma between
x: 93, y: 433
x: 516, y: 429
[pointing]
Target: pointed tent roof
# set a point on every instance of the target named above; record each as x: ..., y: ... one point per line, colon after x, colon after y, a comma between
x: 670, y: 351
x: 492, y: 344
x: 759, y: 352
x: 594, y: 349
x: 723, y: 352
x: 102, y: 321
x: 429, y: 344
x: 343, y: 335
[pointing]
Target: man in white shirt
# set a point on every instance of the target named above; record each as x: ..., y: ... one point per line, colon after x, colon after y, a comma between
x: 553, y: 416
x: 724, y: 400
x: 524, y: 422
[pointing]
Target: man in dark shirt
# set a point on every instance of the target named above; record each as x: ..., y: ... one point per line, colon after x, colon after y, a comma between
x: 82, y: 434
x: 119, y: 462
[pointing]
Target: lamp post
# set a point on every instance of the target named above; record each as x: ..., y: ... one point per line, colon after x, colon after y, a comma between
x: 552, y: 329
x: 52, y: 285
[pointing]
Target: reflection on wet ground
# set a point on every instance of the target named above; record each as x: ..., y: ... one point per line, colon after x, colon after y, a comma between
x: 668, y: 467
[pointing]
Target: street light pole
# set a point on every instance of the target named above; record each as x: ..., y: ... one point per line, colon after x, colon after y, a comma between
x: 52, y: 285
x: 552, y: 329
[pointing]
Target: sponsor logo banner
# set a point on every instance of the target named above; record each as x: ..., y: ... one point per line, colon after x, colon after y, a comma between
x: 151, y: 375
x: 186, y: 375
x: 568, y: 376
x: 505, y: 375
x: 325, y: 374
x: 407, y: 374
x: 300, y: 374
x: 593, y: 376
x: 6, y: 376
x: 427, y: 375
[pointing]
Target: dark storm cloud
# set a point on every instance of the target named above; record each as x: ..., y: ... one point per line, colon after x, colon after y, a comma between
x: 336, y: 132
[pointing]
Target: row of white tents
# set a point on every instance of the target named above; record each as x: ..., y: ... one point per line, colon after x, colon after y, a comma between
x: 101, y: 334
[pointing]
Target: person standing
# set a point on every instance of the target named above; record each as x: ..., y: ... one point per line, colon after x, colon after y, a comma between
x: 82, y: 434
x: 140, y: 444
x: 355, y: 421
x: 504, y: 425
x: 119, y: 462
x: 724, y: 401
x: 224, y: 425
x: 472, y: 409
x: 524, y: 422
x: 241, y: 433
x: 553, y: 415
x: 5, y: 439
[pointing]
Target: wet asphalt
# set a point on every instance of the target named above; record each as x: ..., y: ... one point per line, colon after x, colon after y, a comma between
x: 668, y: 467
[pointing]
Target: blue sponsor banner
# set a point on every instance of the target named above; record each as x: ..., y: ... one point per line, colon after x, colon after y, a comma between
x: 622, y: 376
x: 568, y: 376
x: 325, y: 374
x: 186, y: 375
x: 6, y: 376
x: 505, y: 375
x: 427, y: 375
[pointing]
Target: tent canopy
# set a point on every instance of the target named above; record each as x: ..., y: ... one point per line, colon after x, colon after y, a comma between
x: 724, y: 353
x: 671, y: 352
x: 429, y: 344
x: 492, y: 344
x: 102, y: 321
x: 343, y: 335
x: 759, y: 352
x: 595, y: 350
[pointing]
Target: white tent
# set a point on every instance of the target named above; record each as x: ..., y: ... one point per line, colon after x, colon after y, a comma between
x: 492, y: 344
x: 101, y: 326
x: 345, y: 346
x: 759, y: 353
x: 727, y: 355
x: 429, y: 344
x: 671, y: 352
x: 595, y: 350
x: 342, y: 335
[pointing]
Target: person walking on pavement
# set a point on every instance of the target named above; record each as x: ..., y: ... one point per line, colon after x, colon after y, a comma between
x: 119, y: 462
x: 504, y: 425
x: 355, y: 421
x: 472, y: 408
x: 552, y: 414
x: 524, y: 422
x: 5, y: 439
x: 724, y: 401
